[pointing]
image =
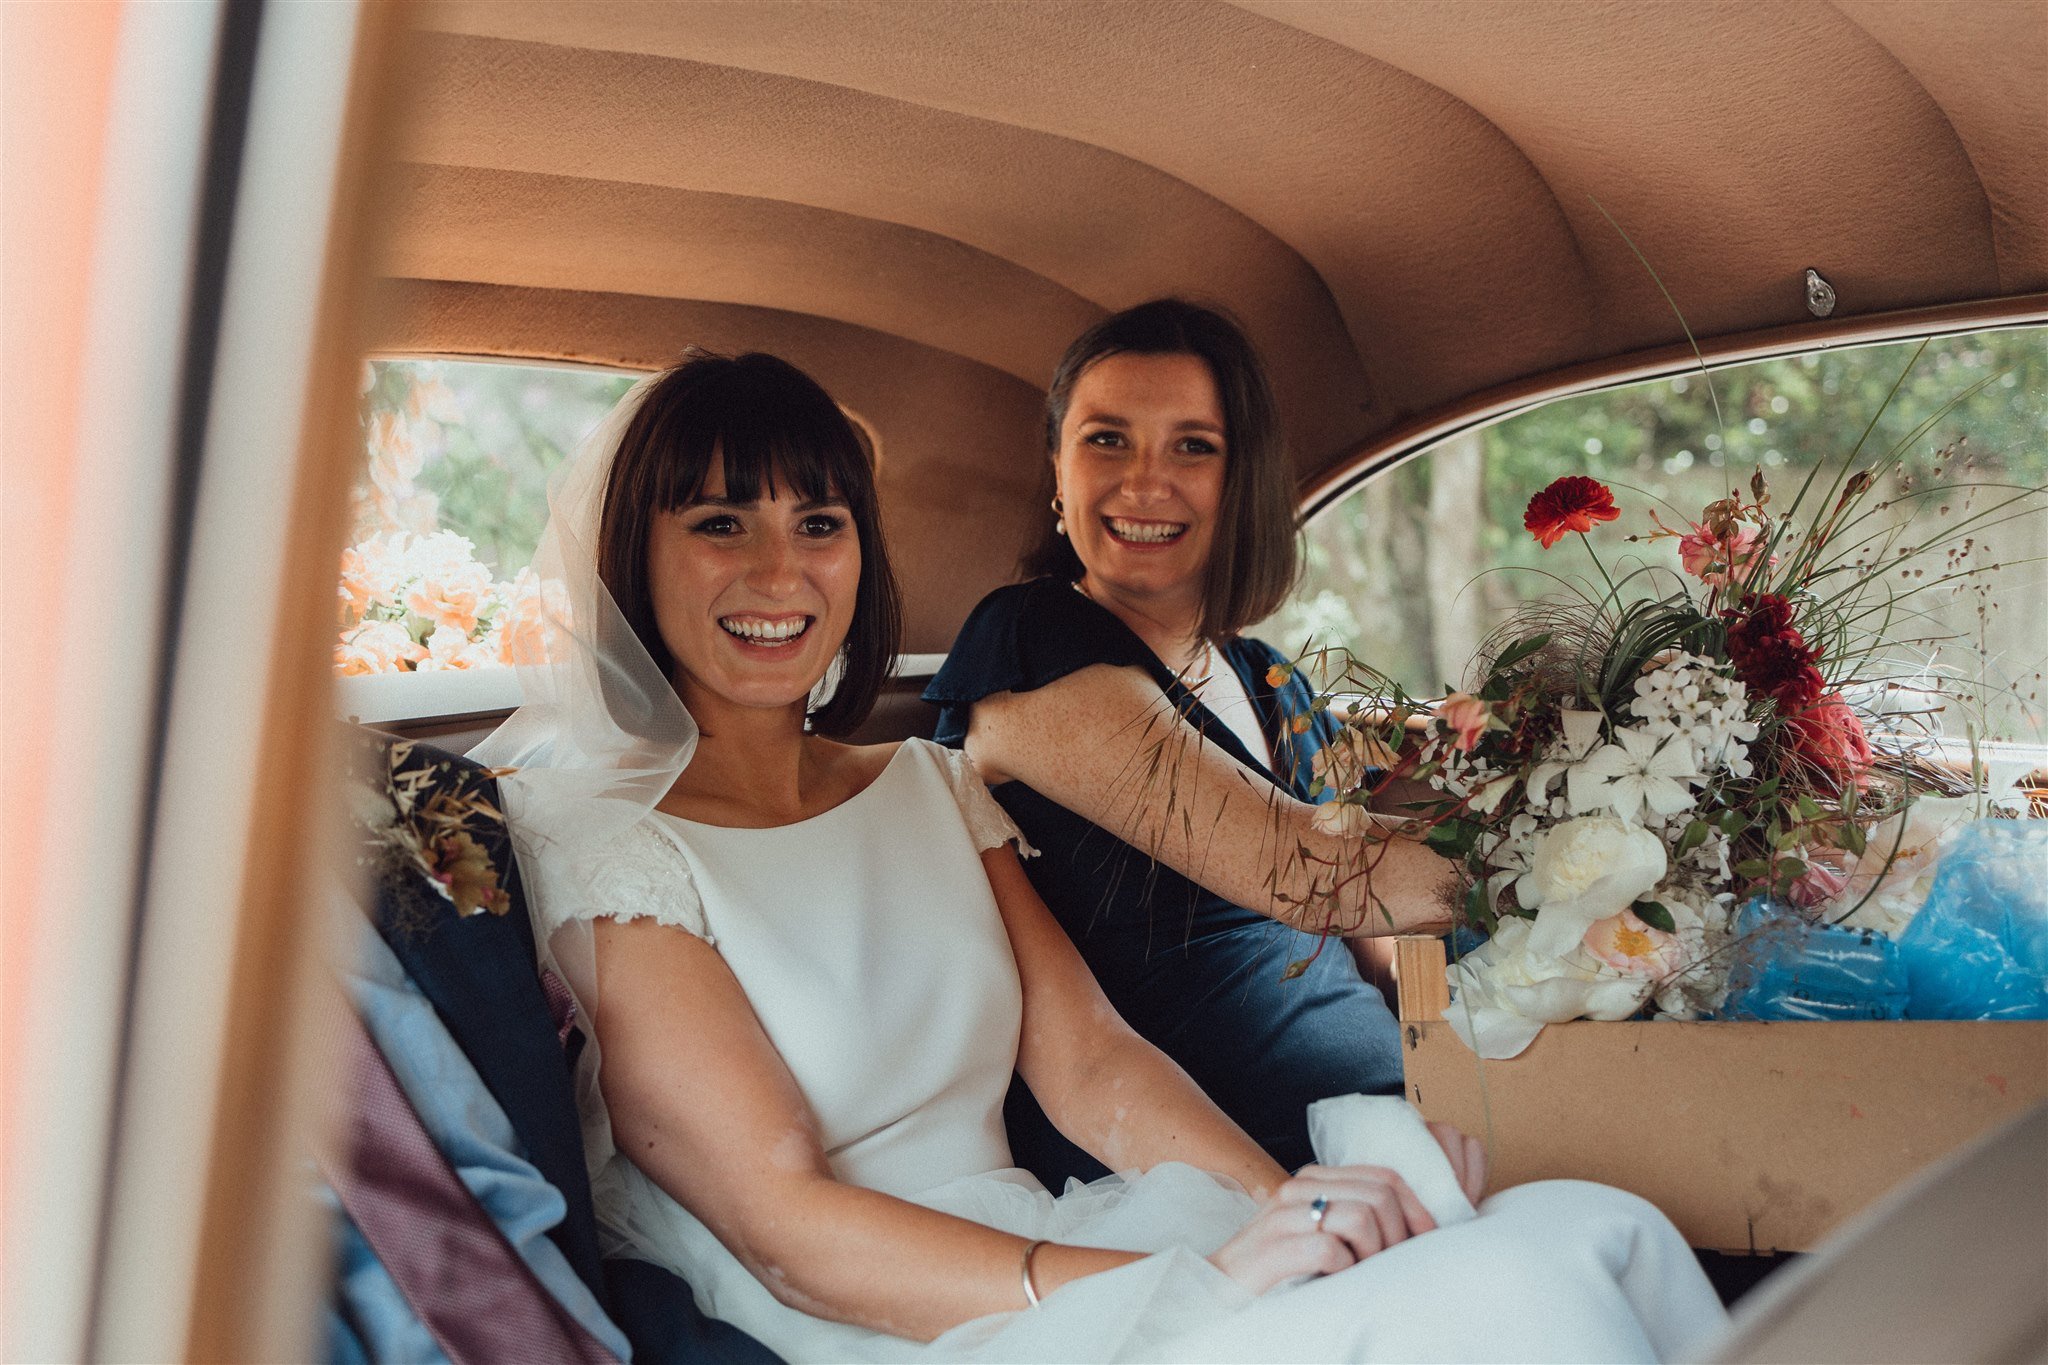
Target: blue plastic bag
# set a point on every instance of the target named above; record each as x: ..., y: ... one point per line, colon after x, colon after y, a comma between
x: 1789, y: 968
x: 1978, y: 949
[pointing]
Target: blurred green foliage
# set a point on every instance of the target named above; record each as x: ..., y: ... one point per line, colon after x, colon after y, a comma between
x: 1664, y: 445
x: 487, y: 436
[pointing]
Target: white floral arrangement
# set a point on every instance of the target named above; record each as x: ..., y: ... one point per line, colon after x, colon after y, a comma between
x: 1631, y: 770
x: 422, y: 603
x: 413, y: 597
x: 1632, y: 891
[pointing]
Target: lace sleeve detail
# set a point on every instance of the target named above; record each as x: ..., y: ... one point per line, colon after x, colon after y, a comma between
x: 987, y: 821
x: 640, y: 874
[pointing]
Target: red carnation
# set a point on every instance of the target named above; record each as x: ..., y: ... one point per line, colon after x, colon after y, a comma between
x: 1830, y: 738
x: 1572, y: 503
x: 1769, y: 653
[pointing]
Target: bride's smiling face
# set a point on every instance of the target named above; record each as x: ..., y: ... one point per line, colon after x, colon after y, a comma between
x: 753, y: 599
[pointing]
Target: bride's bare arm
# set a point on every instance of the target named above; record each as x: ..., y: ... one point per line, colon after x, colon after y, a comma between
x: 1113, y: 1094
x: 1104, y: 743
x: 702, y: 1103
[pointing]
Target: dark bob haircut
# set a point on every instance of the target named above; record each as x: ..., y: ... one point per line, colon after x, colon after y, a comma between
x: 1256, y: 555
x: 770, y: 425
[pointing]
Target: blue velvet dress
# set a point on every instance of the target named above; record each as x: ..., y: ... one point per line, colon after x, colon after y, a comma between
x: 1202, y: 978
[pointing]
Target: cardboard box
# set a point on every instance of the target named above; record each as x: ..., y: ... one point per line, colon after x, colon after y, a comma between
x: 1752, y: 1137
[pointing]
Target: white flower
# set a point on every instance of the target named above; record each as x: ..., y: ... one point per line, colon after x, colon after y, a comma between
x: 1505, y: 991
x: 1341, y: 764
x: 1586, y: 870
x: 1486, y: 799
x: 1897, y: 865
x: 1342, y: 818
x: 1581, y: 733
x: 1635, y: 771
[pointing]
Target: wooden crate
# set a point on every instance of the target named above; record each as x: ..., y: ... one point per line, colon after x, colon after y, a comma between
x: 1752, y: 1137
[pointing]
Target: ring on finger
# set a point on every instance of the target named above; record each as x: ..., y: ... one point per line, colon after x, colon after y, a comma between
x: 1317, y: 1211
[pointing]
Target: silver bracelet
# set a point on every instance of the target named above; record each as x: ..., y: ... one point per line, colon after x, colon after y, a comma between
x: 1030, y: 1292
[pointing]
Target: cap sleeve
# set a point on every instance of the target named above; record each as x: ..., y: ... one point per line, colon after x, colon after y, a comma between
x: 1024, y: 636
x: 987, y: 822
x: 637, y: 874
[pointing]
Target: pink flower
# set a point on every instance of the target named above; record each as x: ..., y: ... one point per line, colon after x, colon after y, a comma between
x: 1817, y: 886
x: 1468, y: 717
x: 371, y: 573
x: 376, y: 647
x: 395, y: 457
x: 449, y: 649
x: 1719, y: 562
x: 1632, y: 947
x: 525, y: 627
x: 1829, y: 737
x: 451, y: 586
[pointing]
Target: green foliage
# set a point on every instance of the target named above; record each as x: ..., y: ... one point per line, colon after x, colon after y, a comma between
x: 489, y: 434
x: 1969, y: 421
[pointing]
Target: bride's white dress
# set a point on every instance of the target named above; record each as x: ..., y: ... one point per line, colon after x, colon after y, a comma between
x: 871, y: 948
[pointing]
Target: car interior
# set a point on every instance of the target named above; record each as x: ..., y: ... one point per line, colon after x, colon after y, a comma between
x: 1428, y: 219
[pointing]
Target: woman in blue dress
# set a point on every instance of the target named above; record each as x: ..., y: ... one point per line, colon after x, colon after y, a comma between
x: 1150, y: 750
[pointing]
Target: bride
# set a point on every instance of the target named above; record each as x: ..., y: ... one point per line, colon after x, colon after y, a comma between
x: 811, y: 967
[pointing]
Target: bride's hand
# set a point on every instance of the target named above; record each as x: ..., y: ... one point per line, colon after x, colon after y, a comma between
x: 1365, y: 1210
x: 1467, y: 1156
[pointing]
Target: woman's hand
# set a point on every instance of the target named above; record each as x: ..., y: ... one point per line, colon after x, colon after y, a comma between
x: 1467, y: 1156
x: 1364, y: 1210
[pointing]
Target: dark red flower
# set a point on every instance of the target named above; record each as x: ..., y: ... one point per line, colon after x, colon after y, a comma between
x: 1830, y: 738
x: 1769, y: 653
x: 1572, y: 503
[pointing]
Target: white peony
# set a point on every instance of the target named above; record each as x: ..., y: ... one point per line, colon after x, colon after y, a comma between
x: 1505, y: 991
x: 1898, y: 862
x: 1586, y: 870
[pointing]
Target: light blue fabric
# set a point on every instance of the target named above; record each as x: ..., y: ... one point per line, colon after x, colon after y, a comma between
x: 370, y: 1320
x: 471, y: 1130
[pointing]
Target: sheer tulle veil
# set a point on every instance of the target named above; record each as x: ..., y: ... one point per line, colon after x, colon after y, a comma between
x: 599, y: 737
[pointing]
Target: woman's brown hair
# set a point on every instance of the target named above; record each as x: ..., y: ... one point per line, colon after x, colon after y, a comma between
x: 1256, y: 557
x: 765, y: 421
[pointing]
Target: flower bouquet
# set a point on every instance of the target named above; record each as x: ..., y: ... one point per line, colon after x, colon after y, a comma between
x: 414, y: 813
x: 422, y: 603
x: 1634, y: 764
x: 413, y: 597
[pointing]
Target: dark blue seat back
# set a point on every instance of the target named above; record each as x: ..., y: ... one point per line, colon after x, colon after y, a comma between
x: 482, y: 977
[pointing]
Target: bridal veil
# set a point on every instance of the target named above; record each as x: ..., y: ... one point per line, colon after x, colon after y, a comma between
x: 600, y: 735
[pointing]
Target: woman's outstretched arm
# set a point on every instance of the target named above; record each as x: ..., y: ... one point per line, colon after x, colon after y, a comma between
x: 1105, y: 744
x: 702, y: 1103
x: 1113, y: 1094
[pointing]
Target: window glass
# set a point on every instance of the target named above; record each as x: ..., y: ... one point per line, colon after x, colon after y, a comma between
x: 449, y: 506
x: 1411, y: 570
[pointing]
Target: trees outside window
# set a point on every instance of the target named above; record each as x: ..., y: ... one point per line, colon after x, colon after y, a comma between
x: 1411, y: 570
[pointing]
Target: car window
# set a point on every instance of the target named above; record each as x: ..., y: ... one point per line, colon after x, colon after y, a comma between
x: 1413, y: 568
x: 446, y: 511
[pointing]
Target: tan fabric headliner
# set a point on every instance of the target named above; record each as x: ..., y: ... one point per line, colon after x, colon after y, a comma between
x: 1397, y: 198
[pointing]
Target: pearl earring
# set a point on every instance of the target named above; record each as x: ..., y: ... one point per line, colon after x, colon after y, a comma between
x: 1059, y: 511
